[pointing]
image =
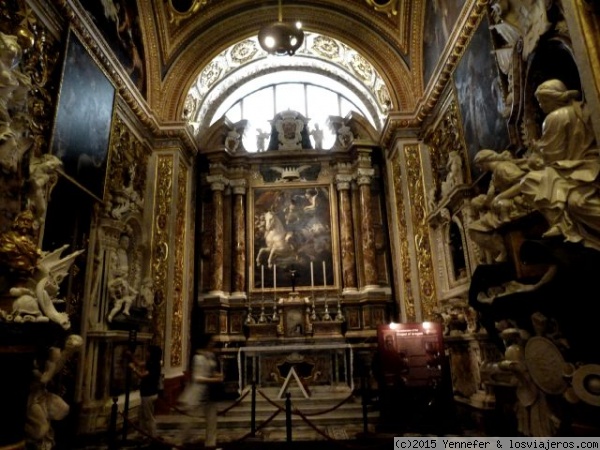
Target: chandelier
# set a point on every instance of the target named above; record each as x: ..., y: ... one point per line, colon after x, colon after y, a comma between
x: 279, y: 38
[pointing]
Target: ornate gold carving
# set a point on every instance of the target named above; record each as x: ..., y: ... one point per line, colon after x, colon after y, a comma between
x: 162, y: 212
x: 421, y: 231
x: 389, y: 7
x: 177, y: 15
x: 401, y: 224
x: 444, y: 138
x: 179, y: 272
x: 127, y: 165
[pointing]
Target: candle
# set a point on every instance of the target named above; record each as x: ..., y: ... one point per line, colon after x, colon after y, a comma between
x: 262, y: 277
x: 312, y: 276
x: 324, y: 275
x: 274, y: 277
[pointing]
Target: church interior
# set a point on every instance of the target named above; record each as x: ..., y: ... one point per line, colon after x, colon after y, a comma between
x: 388, y: 216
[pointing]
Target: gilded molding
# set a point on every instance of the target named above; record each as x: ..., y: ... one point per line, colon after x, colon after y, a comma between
x: 176, y: 337
x: 402, y: 228
x: 160, y: 250
x: 421, y: 231
x: 446, y: 136
x: 390, y: 8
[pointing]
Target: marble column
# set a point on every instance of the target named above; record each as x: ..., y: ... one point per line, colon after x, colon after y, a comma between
x: 217, y: 185
x: 239, y: 237
x: 363, y: 178
x: 346, y: 233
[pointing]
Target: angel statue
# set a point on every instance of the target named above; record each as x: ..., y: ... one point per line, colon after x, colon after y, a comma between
x: 36, y: 298
x: 36, y: 275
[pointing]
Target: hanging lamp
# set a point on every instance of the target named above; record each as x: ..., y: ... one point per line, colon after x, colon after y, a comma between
x: 280, y: 38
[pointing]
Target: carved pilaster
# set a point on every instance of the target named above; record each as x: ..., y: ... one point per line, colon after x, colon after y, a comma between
x: 177, y: 314
x: 363, y: 178
x: 160, y: 259
x: 239, y: 244
x: 217, y: 185
x: 402, y: 229
x: 346, y: 233
x: 421, y: 231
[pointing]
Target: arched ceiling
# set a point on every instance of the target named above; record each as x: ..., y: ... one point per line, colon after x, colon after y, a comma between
x: 179, y: 46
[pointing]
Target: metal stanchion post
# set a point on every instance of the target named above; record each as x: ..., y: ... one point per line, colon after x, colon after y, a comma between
x: 253, y: 417
x: 132, y: 343
x: 288, y: 417
x: 365, y: 401
x: 112, y: 426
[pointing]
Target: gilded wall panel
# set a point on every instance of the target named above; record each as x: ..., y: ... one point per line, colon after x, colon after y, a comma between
x: 177, y: 314
x: 402, y: 228
x: 421, y: 231
x: 162, y: 213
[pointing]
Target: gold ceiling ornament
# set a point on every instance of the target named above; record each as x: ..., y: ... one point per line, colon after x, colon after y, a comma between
x: 389, y: 7
x: 183, y: 9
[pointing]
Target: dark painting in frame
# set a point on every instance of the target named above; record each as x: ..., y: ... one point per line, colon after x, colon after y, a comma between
x: 440, y: 19
x: 118, y: 21
x: 295, y: 224
x: 479, y: 96
x: 83, y: 119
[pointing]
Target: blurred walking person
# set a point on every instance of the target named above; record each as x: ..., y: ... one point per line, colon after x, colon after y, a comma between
x: 200, y: 395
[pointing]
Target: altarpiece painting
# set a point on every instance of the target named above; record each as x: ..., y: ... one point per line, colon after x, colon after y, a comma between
x: 292, y: 243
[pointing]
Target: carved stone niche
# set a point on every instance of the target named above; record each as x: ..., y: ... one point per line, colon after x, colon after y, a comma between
x: 449, y: 222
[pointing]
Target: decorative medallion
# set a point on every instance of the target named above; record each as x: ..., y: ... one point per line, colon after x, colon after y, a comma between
x: 326, y: 47
x: 361, y: 67
x: 243, y: 51
x: 211, y: 74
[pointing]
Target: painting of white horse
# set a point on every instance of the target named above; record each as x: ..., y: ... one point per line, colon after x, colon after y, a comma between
x: 292, y: 228
x: 277, y: 241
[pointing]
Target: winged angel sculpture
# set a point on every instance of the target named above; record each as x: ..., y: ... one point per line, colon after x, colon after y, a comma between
x: 37, y: 294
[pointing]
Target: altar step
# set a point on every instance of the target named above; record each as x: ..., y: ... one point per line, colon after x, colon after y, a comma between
x: 333, y: 413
